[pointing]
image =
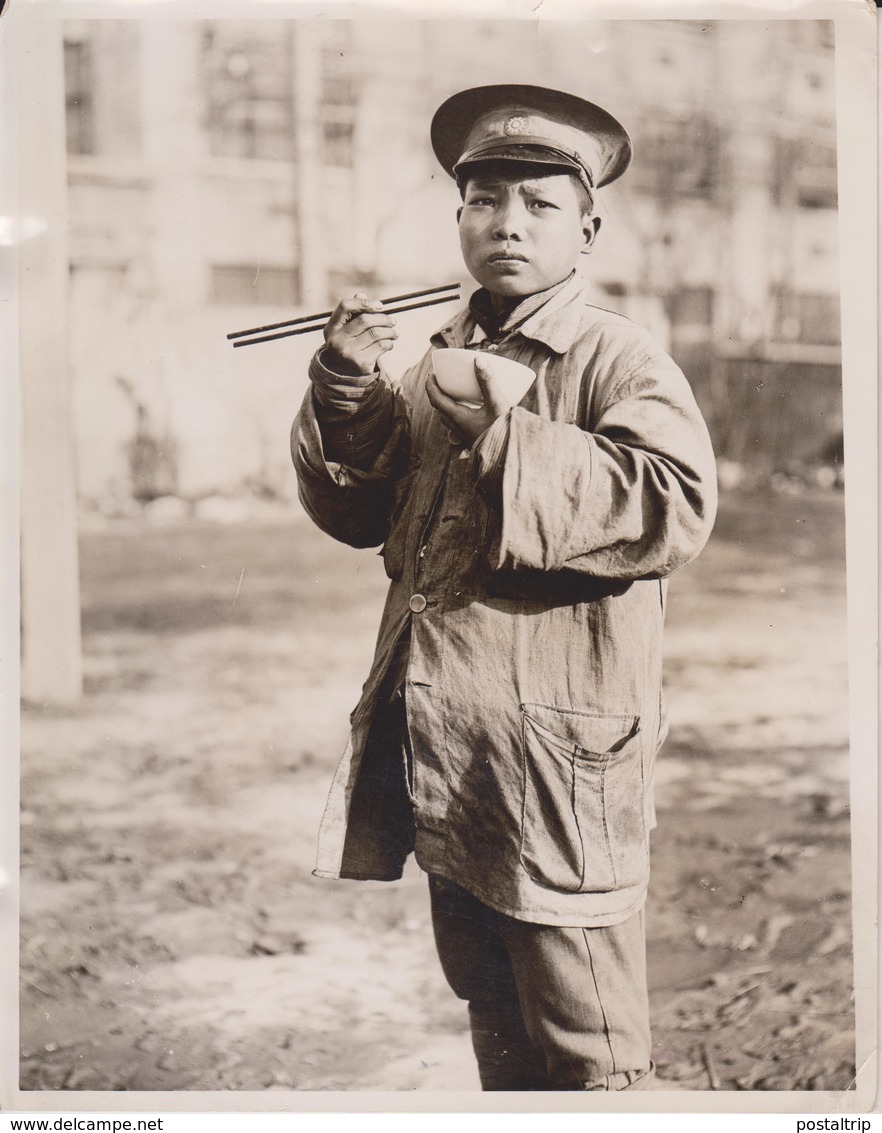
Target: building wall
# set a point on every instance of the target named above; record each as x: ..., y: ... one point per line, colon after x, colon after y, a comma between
x: 226, y: 174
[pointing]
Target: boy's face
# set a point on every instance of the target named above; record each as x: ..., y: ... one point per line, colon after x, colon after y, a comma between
x: 521, y: 230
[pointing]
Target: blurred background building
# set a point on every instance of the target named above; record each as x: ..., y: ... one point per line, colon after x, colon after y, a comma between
x: 225, y: 174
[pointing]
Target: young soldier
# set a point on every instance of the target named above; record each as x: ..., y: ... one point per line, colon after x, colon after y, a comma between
x: 509, y: 725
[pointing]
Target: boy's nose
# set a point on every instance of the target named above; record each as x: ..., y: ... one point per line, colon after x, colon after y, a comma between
x: 509, y: 220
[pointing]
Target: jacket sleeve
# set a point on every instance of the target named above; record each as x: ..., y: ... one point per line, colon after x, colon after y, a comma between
x: 632, y: 497
x: 348, y: 462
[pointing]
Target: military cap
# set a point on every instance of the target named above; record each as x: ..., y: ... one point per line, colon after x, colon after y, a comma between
x: 511, y: 122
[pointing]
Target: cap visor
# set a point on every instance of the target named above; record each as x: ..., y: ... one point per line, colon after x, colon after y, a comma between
x: 526, y: 155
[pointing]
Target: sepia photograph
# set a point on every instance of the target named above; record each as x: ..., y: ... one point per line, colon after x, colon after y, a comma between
x: 437, y: 650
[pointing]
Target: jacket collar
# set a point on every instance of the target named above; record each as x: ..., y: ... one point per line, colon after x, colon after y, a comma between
x: 555, y: 324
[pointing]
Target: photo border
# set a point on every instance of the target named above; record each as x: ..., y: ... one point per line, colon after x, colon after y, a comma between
x: 856, y: 71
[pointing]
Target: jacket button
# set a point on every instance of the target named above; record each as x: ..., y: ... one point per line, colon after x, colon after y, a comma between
x: 417, y: 603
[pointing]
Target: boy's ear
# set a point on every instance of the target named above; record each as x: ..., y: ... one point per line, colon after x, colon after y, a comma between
x: 458, y: 214
x: 590, y: 228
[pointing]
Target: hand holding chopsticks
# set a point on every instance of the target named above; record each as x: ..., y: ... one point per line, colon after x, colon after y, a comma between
x: 307, y: 323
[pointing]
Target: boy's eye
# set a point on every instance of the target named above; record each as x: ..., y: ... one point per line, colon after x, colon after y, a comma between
x: 543, y: 205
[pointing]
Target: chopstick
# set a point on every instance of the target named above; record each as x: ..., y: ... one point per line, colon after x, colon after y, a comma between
x: 321, y: 325
x: 327, y: 314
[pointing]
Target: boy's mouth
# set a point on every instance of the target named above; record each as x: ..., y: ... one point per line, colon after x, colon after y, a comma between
x: 506, y: 257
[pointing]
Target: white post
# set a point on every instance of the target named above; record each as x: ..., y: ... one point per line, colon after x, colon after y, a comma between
x: 51, y: 648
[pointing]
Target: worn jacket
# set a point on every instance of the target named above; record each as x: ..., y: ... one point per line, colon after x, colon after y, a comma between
x: 529, y: 574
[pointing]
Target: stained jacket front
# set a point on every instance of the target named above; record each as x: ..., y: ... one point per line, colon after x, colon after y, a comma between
x: 529, y: 575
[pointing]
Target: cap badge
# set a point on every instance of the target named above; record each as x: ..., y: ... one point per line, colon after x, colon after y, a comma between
x: 516, y: 125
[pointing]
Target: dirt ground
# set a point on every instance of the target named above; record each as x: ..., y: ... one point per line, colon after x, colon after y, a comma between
x: 174, y: 939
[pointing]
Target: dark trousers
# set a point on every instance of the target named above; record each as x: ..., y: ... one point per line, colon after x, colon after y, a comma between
x: 550, y: 1008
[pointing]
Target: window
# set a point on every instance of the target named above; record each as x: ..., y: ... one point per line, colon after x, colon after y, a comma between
x: 691, y: 311
x: 337, y: 142
x: 805, y: 173
x: 691, y: 307
x: 339, y: 98
x: 254, y: 283
x: 676, y: 157
x: 248, y: 92
x: 79, y: 95
x: 815, y: 175
x: 807, y: 318
x: 812, y: 34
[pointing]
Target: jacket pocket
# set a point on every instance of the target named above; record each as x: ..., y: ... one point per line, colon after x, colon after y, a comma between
x: 583, y: 827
